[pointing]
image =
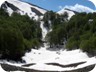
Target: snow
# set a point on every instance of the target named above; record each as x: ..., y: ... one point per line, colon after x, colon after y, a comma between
x: 70, y: 13
x: 45, y: 56
x: 1, y: 70
x: 80, y: 8
x: 44, y: 30
x: 1, y: 1
x: 41, y: 57
x: 63, y: 57
x: 9, y: 10
x: 26, y: 8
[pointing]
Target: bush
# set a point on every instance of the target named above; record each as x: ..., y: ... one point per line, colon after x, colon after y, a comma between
x: 11, y: 44
x: 17, y: 34
x: 89, y: 45
x: 72, y: 43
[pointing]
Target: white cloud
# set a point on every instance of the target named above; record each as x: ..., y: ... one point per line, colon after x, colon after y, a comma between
x: 79, y: 8
x: 94, y: 2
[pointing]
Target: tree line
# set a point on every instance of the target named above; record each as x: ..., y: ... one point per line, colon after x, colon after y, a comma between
x: 18, y: 34
x: 79, y: 32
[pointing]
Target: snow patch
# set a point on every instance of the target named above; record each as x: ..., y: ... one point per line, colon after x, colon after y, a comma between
x: 70, y: 13
x: 9, y: 10
x: 41, y: 57
x: 25, y: 8
x: 44, y: 30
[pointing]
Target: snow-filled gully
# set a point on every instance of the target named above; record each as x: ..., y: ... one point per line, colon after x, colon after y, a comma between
x: 62, y: 60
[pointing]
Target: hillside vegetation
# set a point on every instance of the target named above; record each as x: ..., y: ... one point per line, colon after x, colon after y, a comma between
x: 18, y: 34
x: 77, y: 33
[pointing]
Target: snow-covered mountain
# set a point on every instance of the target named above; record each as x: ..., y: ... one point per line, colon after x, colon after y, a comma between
x: 31, y: 10
x: 79, y: 8
x: 72, y: 10
x: 23, y: 8
x: 68, y: 11
x: 43, y: 59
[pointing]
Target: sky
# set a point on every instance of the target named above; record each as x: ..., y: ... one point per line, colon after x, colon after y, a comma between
x: 56, y: 5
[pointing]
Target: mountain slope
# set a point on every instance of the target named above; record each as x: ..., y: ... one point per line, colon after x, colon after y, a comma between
x: 70, y: 12
x: 79, y: 8
x: 23, y: 8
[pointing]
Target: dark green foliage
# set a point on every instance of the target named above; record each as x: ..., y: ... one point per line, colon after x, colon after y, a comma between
x: 47, y: 17
x: 54, y: 19
x: 89, y: 45
x: 79, y: 31
x: 18, y: 34
x: 84, y: 25
x: 3, y: 14
x: 58, y: 24
x: 57, y: 36
x: 11, y: 43
x: 73, y: 43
